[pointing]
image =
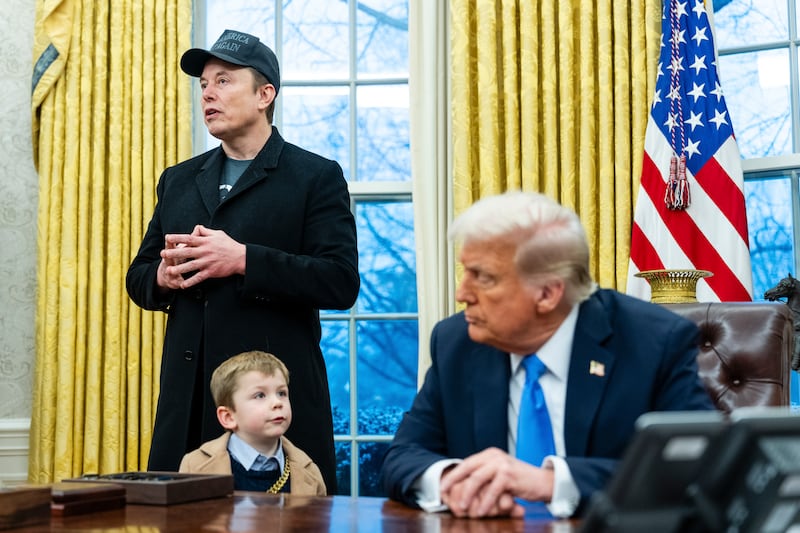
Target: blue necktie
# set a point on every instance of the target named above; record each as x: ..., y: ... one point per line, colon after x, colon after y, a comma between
x: 534, y: 431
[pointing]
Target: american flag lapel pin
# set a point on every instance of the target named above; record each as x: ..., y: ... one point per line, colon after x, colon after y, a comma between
x: 597, y: 369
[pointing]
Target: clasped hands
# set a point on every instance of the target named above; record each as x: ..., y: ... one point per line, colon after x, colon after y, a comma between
x: 189, y: 259
x: 486, y: 484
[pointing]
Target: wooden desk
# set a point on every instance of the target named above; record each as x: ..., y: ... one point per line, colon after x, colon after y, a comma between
x: 251, y: 511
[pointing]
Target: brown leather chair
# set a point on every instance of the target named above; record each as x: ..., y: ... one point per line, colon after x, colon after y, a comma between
x: 745, y: 351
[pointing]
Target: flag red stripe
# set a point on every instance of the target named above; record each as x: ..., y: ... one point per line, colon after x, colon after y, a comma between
x: 652, y: 180
x: 643, y: 254
x: 725, y: 194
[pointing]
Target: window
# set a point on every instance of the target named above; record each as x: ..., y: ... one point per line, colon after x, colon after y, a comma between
x: 758, y: 56
x: 344, y: 95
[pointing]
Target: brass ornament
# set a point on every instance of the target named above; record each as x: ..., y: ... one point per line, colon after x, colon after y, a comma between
x: 673, y: 286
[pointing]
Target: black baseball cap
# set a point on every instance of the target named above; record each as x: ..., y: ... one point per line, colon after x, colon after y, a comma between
x: 238, y: 48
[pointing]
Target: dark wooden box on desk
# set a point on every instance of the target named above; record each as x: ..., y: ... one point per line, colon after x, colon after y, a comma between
x: 86, y: 497
x: 24, y: 506
x: 165, y: 488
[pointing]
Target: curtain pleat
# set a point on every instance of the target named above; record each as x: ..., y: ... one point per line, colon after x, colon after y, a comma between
x: 428, y: 82
x: 552, y: 96
x: 111, y: 108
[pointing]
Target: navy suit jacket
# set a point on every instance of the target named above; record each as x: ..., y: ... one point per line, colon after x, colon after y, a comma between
x: 649, y: 358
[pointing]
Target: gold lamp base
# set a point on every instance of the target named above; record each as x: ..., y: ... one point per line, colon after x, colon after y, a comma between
x: 673, y: 286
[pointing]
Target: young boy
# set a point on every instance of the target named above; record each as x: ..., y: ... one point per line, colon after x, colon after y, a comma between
x: 251, y: 391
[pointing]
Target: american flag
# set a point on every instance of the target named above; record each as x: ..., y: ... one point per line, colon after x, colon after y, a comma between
x: 690, y: 210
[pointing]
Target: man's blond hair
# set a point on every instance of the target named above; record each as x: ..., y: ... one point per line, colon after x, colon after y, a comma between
x: 225, y: 379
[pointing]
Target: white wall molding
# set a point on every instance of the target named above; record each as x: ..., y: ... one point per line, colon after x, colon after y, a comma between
x: 14, y: 435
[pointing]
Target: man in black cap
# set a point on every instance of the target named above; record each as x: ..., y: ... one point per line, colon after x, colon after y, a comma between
x: 247, y: 242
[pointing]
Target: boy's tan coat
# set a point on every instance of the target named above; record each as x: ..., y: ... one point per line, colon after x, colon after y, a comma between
x: 212, y: 458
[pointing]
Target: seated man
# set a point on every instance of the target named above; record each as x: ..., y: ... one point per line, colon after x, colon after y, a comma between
x: 607, y: 358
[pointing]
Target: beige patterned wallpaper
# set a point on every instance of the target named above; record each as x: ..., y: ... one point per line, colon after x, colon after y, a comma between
x: 18, y: 203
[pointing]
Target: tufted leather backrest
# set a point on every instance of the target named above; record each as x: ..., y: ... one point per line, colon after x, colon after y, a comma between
x: 745, y: 351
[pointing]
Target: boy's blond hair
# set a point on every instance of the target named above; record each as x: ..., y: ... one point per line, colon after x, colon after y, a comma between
x: 225, y: 379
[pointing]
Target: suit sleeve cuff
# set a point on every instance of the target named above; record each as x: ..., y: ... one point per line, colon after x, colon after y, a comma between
x: 426, y: 486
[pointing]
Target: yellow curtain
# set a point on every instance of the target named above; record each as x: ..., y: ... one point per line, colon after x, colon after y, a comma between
x: 110, y: 109
x: 552, y: 96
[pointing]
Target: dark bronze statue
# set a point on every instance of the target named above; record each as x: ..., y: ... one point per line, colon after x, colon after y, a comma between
x: 789, y: 288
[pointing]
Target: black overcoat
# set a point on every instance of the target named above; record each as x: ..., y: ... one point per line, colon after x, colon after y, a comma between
x: 292, y: 210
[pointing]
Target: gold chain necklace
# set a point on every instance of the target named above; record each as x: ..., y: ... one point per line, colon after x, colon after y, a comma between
x: 278, y: 485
